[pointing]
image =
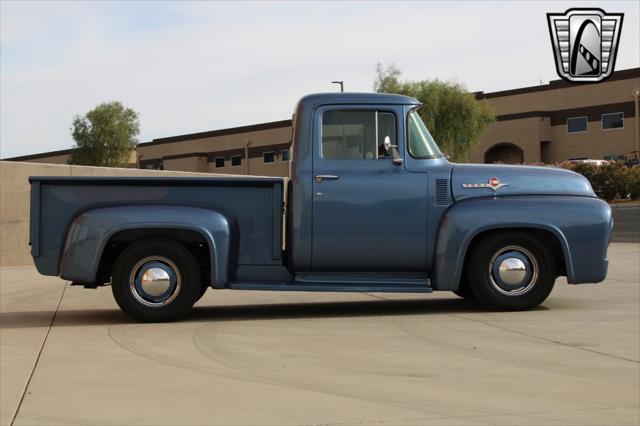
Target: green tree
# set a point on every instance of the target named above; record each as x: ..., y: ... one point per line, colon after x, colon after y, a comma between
x: 454, y: 117
x: 105, y: 136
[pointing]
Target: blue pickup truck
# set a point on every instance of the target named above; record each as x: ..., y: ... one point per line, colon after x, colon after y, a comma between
x: 371, y: 205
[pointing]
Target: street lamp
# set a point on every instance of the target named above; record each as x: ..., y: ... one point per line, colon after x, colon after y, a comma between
x: 341, y: 83
x: 636, y: 104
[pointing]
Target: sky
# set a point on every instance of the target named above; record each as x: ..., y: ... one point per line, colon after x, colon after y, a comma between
x: 195, y: 66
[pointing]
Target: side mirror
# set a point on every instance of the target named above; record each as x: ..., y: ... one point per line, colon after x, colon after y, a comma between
x: 397, y: 160
x: 387, y: 144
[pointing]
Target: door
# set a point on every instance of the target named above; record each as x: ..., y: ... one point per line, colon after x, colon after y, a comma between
x: 369, y: 212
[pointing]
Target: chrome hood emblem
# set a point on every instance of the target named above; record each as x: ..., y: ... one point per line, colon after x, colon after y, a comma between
x: 494, y: 183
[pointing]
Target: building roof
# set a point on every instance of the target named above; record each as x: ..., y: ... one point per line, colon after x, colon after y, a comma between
x: 220, y: 132
x: 39, y: 155
x: 557, y: 84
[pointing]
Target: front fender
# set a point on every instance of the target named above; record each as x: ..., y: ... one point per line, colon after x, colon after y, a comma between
x: 582, y: 226
x: 90, y: 231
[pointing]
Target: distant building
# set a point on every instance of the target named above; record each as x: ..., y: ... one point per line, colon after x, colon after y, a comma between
x: 259, y: 149
x: 548, y: 123
x: 560, y: 121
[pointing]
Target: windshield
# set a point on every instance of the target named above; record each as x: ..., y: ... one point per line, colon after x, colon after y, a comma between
x: 421, y: 144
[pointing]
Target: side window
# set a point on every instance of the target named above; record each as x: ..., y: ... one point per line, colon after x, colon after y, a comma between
x: 356, y: 135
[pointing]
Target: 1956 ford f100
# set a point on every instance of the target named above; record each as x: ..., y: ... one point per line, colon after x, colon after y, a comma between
x: 371, y: 206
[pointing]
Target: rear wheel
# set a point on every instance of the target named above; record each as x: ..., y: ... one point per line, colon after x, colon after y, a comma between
x: 156, y: 280
x: 511, y: 271
x: 464, y: 291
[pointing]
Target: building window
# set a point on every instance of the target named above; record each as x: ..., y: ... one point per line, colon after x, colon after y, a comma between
x: 153, y: 165
x: 236, y: 160
x: 284, y: 154
x: 576, y: 124
x: 220, y: 162
x: 268, y: 157
x: 613, y: 121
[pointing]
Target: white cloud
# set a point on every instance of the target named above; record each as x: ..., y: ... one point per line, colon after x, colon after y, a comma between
x: 199, y: 66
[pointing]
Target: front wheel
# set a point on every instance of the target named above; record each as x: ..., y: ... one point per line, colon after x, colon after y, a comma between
x: 511, y: 271
x: 156, y: 280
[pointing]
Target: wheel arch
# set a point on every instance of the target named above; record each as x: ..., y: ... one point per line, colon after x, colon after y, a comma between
x: 546, y: 233
x: 91, y: 232
x: 193, y: 240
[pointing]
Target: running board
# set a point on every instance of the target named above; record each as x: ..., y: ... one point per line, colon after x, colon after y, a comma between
x: 323, y: 286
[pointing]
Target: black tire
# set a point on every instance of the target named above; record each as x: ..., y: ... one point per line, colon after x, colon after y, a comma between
x: 176, y: 269
x: 464, y: 291
x: 485, y: 276
x: 203, y: 290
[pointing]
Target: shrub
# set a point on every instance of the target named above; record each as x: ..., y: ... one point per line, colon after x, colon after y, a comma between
x: 610, y: 181
x: 633, y: 176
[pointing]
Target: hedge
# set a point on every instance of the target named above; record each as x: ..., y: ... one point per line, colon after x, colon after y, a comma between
x: 610, y: 181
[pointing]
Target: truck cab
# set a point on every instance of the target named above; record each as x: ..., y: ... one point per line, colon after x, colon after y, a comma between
x: 363, y: 185
x: 371, y: 205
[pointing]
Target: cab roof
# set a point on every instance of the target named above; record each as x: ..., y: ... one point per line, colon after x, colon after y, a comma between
x: 317, y: 99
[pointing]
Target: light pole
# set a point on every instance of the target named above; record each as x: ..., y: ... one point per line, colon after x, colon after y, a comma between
x: 341, y: 83
x: 636, y: 96
x: 246, y: 156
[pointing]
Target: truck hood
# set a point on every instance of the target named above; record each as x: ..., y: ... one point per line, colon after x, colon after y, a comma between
x: 477, y: 180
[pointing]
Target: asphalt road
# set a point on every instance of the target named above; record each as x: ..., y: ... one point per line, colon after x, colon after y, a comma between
x: 626, y: 224
x: 69, y: 356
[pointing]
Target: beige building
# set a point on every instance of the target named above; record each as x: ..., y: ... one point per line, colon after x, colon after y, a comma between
x: 548, y: 123
x: 561, y: 121
x: 261, y: 149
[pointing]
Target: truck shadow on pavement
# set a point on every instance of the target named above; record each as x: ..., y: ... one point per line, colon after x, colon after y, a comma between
x: 88, y: 317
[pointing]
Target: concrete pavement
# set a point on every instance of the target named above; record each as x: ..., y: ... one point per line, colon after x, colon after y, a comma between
x: 307, y: 358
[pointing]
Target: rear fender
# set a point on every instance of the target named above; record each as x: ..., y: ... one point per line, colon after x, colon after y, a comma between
x: 90, y: 232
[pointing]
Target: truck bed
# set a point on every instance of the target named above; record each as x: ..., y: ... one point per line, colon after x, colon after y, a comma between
x: 254, y: 204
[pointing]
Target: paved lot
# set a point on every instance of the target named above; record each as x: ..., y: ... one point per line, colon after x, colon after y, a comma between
x: 331, y: 359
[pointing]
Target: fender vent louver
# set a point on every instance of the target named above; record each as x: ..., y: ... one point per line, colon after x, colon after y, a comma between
x: 442, y: 192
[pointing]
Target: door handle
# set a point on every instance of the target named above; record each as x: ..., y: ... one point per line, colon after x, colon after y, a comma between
x: 320, y: 178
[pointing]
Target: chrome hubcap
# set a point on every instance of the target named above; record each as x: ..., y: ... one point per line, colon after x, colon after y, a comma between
x: 513, y: 271
x: 155, y: 281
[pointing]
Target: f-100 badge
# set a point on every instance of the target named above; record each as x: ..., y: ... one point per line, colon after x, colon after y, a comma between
x: 585, y: 43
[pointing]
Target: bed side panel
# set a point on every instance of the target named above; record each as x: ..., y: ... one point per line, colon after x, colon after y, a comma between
x: 251, y: 204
